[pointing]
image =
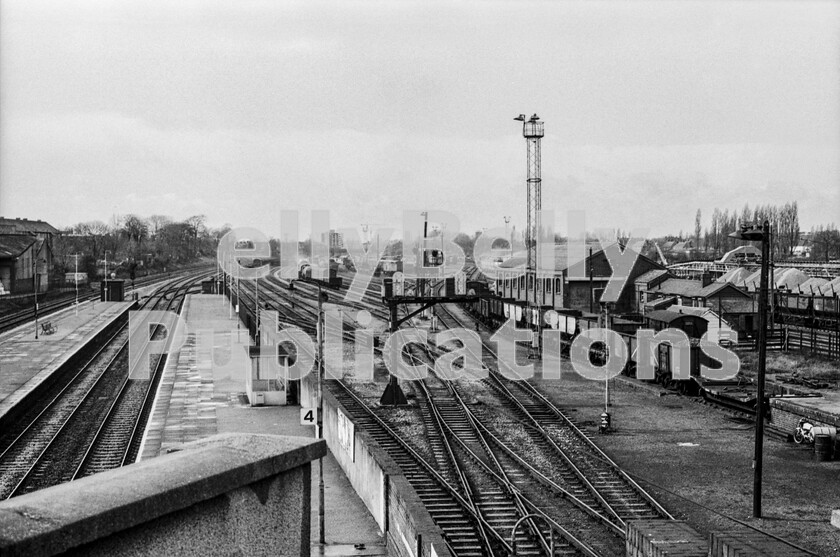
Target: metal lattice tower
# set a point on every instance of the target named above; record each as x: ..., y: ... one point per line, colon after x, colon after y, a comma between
x: 532, y: 130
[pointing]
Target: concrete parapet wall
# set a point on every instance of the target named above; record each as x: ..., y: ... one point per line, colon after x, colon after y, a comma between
x: 365, y: 464
x: 661, y: 538
x: 379, y: 481
x: 750, y: 544
x: 229, y: 494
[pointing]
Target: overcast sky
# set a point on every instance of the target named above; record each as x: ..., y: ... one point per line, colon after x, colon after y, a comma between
x: 240, y: 109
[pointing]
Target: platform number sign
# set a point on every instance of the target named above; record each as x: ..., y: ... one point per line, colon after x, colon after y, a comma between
x: 460, y: 283
x: 309, y: 416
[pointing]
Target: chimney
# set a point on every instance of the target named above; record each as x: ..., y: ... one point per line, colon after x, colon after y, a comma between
x: 706, y: 278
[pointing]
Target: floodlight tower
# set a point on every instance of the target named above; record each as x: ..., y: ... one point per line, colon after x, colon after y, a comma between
x: 532, y: 130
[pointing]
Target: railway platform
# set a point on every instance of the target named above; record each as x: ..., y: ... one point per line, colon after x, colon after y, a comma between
x: 196, y: 399
x: 26, y: 362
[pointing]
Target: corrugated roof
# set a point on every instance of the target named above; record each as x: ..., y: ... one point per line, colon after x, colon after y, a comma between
x: 25, y: 226
x: 12, y: 245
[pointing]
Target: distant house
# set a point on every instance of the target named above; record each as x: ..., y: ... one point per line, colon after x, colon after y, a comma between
x: 26, y: 255
x: 802, y: 251
x: 683, y: 247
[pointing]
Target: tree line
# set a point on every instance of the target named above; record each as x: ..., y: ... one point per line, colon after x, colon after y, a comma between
x: 134, y: 244
x: 714, y: 240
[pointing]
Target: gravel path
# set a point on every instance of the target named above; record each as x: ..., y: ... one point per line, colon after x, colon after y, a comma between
x: 704, y: 455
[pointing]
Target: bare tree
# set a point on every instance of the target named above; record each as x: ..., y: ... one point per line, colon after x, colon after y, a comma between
x: 197, y: 228
x: 156, y: 222
x: 697, y: 230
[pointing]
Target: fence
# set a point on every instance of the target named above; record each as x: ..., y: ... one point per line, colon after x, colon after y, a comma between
x: 821, y: 342
x: 824, y: 343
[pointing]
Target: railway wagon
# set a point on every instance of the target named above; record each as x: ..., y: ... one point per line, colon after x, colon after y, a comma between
x: 819, y: 312
x: 388, y: 267
x: 494, y: 311
x: 694, y: 327
x: 332, y: 279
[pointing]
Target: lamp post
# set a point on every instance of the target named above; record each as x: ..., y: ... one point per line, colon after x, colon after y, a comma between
x: 759, y: 233
x: 105, y: 279
x: 76, y: 282
x: 321, y: 520
x: 319, y: 426
x: 35, y: 262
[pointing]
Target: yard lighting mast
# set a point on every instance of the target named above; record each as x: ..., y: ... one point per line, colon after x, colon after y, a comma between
x: 532, y: 130
x: 759, y: 233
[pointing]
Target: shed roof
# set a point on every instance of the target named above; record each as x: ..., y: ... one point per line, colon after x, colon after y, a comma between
x: 25, y: 226
x: 12, y: 245
x: 650, y: 276
x: 664, y: 315
x: 688, y: 288
x: 561, y: 253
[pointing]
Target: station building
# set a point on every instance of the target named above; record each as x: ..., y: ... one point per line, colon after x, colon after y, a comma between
x: 575, y: 285
x: 26, y: 255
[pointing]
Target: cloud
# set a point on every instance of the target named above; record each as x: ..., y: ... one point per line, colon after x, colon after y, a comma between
x: 111, y: 163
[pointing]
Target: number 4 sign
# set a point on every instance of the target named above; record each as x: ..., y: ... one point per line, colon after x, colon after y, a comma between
x: 309, y: 416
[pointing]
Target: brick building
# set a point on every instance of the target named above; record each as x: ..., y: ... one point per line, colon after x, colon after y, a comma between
x: 575, y: 285
x: 25, y: 255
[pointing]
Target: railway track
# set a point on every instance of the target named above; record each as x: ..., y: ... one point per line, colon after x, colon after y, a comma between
x: 597, y: 476
x: 496, y: 485
x: 15, y: 319
x: 117, y: 441
x: 50, y: 446
x: 506, y: 489
x: 466, y: 533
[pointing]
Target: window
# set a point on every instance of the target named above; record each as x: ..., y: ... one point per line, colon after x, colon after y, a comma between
x: 522, y: 282
x: 530, y: 282
x: 558, y: 285
x: 548, y: 286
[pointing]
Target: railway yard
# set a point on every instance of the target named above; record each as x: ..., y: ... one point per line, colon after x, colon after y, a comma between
x: 485, y: 455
